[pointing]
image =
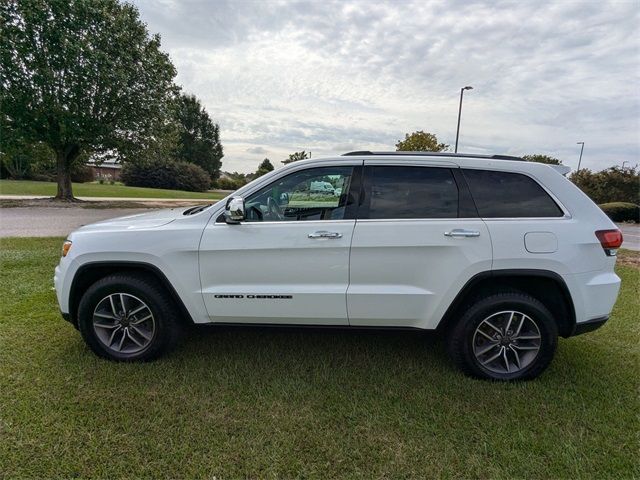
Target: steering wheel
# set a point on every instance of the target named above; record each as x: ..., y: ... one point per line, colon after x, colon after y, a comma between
x: 274, y: 208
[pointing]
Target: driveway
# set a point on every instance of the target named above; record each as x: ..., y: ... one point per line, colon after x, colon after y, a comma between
x: 54, y: 221
x: 631, y: 236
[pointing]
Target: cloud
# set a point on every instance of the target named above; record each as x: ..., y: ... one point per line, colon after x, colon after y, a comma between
x: 319, y: 76
x: 257, y: 150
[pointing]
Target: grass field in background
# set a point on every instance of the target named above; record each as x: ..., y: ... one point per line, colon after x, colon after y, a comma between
x: 320, y: 404
x: 29, y: 187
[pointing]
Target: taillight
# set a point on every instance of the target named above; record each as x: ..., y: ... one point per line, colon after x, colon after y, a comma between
x: 610, y: 240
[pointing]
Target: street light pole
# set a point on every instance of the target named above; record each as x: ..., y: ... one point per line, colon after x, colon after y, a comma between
x: 459, y: 113
x: 581, y: 150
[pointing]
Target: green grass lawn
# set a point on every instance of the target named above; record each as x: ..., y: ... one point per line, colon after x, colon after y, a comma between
x: 270, y: 403
x: 28, y: 187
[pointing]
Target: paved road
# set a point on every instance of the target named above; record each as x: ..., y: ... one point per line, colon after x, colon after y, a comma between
x: 53, y: 221
x: 631, y: 236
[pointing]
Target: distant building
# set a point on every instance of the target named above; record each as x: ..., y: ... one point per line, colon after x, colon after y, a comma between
x: 107, y: 170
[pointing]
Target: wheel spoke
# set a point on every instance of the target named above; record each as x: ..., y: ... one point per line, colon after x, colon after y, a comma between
x: 520, y: 325
x: 124, y: 335
x: 114, y: 310
x: 485, y: 335
x: 133, y: 339
x: 506, y: 329
x: 516, y: 356
x: 528, y: 337
x: 489, y: 360
x: 105, y: 315
x: 144, y: 319
x: 493, y: 326
x: 506, y: 360
x: 487, y: 348
x: 124, y: 307
x: 113, y: 335
x: 137, y: 310
x: 520, y: 347
x: 140, y: 332
x: 108, y: 327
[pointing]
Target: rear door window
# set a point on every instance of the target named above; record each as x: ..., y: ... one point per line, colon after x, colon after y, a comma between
x: 509, y: 195
x: 409, y: 192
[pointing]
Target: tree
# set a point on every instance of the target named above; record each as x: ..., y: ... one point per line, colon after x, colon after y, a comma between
x: 615, y: 184
x: 536, y: 157
x: 420, y: 142
x: 264, y: 168
x: 198, y: 136
x: 82, y: 76
x: 294, y: 157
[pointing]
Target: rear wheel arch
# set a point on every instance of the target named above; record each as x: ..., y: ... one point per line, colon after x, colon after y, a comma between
x: 546, y: 286
x: 90, y: 273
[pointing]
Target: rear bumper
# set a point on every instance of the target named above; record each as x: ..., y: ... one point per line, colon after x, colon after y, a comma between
x: 588, y: 326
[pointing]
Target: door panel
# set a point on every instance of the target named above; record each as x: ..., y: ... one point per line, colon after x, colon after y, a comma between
x: 273, y: 272
x: 405, y: 273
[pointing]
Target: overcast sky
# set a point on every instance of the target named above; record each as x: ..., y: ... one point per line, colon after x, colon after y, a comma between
x: 329, y: 77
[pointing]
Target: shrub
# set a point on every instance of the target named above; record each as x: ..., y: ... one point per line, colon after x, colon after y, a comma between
x: 166, y: 174
x: 622, y: 211
x: 229, y: 184
x: 82, y: 174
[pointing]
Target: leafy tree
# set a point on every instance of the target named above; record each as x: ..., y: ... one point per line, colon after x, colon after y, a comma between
x: 264, y: 168
x: 198, y: 136
x: 420, y: 142
x: 294, y: 157
x: 81, y: 76
x: 615, y: 184
x: 536, y: 157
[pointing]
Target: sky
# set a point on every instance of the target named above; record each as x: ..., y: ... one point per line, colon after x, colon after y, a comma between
x: 330, y: 77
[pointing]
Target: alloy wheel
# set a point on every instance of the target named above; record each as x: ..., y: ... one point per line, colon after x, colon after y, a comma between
x: 506, y: 342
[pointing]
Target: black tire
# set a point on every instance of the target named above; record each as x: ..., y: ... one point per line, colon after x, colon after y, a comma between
x: 166, y: 324
x: 463, y: 340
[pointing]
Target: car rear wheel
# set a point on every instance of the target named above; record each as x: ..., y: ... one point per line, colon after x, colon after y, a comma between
x: 506, y: 336
x: 128, y: 318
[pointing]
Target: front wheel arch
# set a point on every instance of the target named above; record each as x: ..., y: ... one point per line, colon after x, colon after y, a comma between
x: 91, y: 272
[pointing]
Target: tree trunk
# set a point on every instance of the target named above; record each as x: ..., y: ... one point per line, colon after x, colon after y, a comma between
x: 64, y: 158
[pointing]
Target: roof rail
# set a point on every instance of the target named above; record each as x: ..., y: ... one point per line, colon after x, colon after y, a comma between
x: 433, y: 154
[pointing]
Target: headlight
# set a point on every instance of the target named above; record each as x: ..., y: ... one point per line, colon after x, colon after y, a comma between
x: 66, y: 246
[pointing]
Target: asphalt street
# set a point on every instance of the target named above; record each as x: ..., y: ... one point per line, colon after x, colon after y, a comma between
x: 54, y: 221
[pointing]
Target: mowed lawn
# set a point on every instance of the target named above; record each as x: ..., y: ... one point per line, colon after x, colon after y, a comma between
x: 269, y: 403
x: 29, y: 187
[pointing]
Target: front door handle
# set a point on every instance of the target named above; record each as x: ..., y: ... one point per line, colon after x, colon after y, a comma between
x: 460, y: 232
x: 325, y: 234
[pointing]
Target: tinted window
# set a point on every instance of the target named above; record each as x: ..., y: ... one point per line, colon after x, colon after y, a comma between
x: 508, y: 195
x: 312, y: 194
x: 410, y: 192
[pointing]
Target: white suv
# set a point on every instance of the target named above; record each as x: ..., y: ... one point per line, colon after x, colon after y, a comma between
x: 500, y: 254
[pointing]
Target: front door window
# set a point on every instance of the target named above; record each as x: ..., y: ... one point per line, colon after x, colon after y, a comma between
x: 313, y: 194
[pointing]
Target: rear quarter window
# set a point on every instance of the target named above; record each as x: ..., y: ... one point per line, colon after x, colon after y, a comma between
x: 509, y: 195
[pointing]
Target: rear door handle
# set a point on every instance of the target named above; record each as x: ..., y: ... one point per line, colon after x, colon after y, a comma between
x: 325, y: 234
x: 460, y: 232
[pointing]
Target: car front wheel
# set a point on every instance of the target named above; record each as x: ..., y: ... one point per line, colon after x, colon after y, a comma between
x: 506, y: 336
x: 128, y: 318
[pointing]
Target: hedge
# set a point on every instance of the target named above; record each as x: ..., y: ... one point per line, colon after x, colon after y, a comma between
x: 169, y: 174
x: 622, y: 211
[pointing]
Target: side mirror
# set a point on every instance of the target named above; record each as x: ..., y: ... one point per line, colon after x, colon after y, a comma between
x: 234, y: 211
